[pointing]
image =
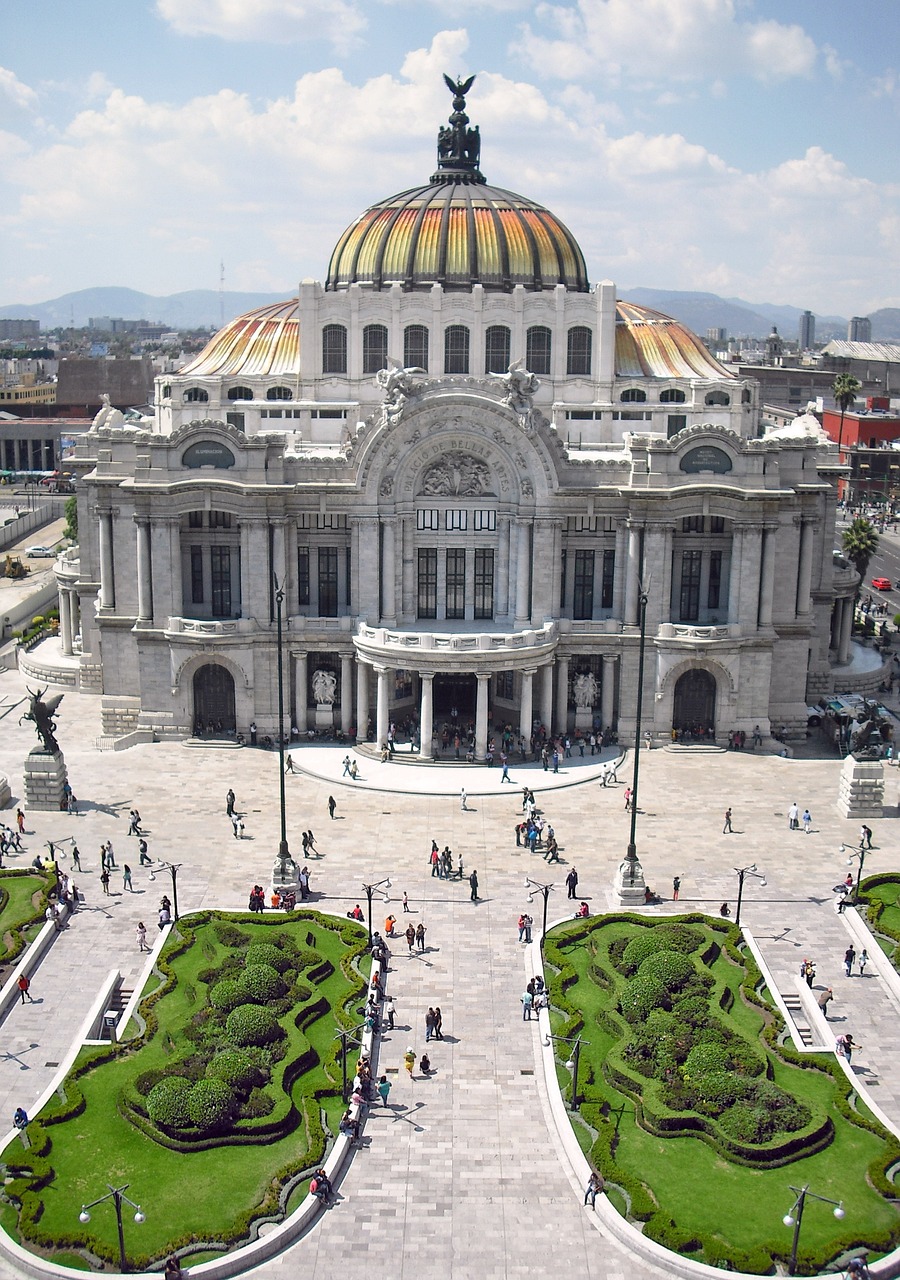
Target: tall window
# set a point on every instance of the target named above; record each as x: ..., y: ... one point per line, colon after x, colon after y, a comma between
x: 220, y: 519
x: 675, y: 422
x: 239, y: 393
x: 279, y: 393
x: 496, y: 349
x: 609, y: 574
x: 303, y: 575
x: 690, y: 585
x: 456, y: 583
x: 672, y: 395
x: 334, y: 349
x: 537, y: 349
x: 195, y: 395
x: 714, y: 590
x: 220, y: 566
x: 484, y: 583
x: 196, y: 575
x: 426, y: 599
x: 583, y: 604
x: 578, y: 351
x: 415, y: 347
x: 456, y: 349
x: 633, y: 395
x: 375, y: 343
x: 328, y: 582
x: 562, y: 582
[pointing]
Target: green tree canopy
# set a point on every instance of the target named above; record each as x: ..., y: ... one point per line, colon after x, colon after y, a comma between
x: 860, y: 543
x: 844, y: 388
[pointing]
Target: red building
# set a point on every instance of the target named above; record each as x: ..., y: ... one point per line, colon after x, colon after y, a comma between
x: 866, y: 446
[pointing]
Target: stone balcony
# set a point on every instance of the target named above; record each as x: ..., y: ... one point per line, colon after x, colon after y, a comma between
x: 457, y: 650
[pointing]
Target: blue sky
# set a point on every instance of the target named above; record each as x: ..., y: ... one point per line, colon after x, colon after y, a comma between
x: 744, y: 147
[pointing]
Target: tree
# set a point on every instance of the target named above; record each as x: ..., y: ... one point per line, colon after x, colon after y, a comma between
x: 71, y: 529
x: 860, y: 543
x: 844, y: 388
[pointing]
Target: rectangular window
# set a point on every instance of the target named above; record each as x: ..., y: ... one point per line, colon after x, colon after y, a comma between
x: 717, y: 524
x: 331, y: 522
x: 609, y: 573
x: 195, y: 519
x: 303, y: 575
x: 328, y: 582
x: 484, y: 520
x: 415, y: 347
x: 220, y: 567
x: 426, y: 597
x: 714, y: 591
x: 484, y: 583
x: 220, y: 519
x: 456, y: 349
x: 583, y: 604
x: 456, y: 520
x: 235, y: 420
x: 456, y: 583
x: 375, y: 343
x: 578, y: 352
x: 504, y: 683
x: 196, y: 575
x: 537, y: 349
x: 692, y: 524
x: 334, y: 349
x: 428, y: 519
x: 348, y: 565
x: 690, y: 585
x: 675, y: 422
x: 562, y: 583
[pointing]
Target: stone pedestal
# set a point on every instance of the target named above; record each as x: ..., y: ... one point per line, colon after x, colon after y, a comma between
x: 584, y: 719
x: 45, y: 779
x: 630, y: 884
x: 5, y: 793
x: 287, y: 882
x: 861, y: 790
x: 324, y: 715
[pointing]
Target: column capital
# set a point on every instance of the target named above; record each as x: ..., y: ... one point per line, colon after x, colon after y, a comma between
x: 610, y: 657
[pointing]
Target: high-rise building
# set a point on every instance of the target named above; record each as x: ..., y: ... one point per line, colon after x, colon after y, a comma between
x: 859, y: 329
x: 807, y: 331
x: 16, y: 330
x: 716, y: 336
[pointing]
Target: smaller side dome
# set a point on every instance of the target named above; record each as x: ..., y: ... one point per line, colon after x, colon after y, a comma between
x: 261, y: 343
x: 652, y: 345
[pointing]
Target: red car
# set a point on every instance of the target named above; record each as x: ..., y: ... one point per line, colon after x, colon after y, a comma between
x: 881, y: 584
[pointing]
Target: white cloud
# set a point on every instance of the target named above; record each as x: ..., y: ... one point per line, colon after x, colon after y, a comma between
x: 663, y: 41
x: 15, y: 90
x: 338, y: 22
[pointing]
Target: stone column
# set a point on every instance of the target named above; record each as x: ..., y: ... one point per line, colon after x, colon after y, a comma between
x: 107, y: 576
x: 608, y: 690
x: 300, y: 687
x: 734, y: 575
x: 546, y: 679
x: 658, y: 572
x: 751, y: 569
x: 526, y: 714
x: 144, y: 577
x: 388, y: 575
x: 522, y: 564
x: 836, y: 617
x: 346, y: 692
x: 846, y: 628
x: 381, y: 713
x: 804, y: 572
x: 562, y: 693
x: 165, y: 559
x: 362, y: 699
x: 501, y: 577
x: 426, y: 716
x: 632, y: 574
x: 65, y: 621
x: 767, y: 578
x: 621, y: 571
x: 481, y: 715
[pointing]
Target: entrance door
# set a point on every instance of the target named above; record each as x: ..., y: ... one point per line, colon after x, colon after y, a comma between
x: 454, y: 692
x: 695, y: 703
x: 213, y: 700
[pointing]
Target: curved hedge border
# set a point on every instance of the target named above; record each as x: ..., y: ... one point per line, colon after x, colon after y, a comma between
x: 18, y: 939
x: 644, y: 1207
x: 875, y: 909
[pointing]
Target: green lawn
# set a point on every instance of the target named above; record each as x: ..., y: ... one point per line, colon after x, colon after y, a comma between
x: 694, y: 1196
x: 203, y: 1195
x: 22, y: 902
x: 882, y: 892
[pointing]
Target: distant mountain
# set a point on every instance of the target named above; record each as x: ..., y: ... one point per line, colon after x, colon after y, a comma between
x: 702, y: 311
x: 196, y: 309
x: 886, y: 324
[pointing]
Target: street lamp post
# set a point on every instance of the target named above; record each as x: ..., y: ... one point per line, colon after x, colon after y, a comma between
x: 284, y: 856
x: 630, y: 883
x: 795, y: 1217
x: 173, y: 868
x: 117, y: 1195
x: 860, y: 856
x: 347, y: 1038
x: 535, y: 886
x: 369, y: 890
x: 572, y: 1064
x: 741, y: 872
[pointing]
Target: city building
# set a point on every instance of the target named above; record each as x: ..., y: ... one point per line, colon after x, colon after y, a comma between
x: 807, y: 331
x: 875, y: 364
x: 461, y: 475
x: 19, y: 330
x: 859, y: 329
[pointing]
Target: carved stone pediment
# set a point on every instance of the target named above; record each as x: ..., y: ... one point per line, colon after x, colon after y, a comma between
x: 458, y: 474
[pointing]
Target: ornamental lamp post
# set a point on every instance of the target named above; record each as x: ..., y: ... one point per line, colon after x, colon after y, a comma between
x: 284, y: 856
x: 369, y: 891
x: 741, y: 872
x: 572, y: 1063
x: 630, y: 883
x: 858, y: 855
x: 795, y: 1216
x: 117, y: 1195
x: 535, y: 886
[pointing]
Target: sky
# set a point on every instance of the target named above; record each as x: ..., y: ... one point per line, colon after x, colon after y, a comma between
x: 743, y: 147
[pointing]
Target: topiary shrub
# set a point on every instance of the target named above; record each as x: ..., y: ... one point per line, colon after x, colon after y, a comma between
x: 670, y: 968
x: 257, y: 1105
x: 211, y: 1106
x: 235, y: 1069
x: 641, y: 997
x: 229, y: 934
x: 229, y: 994
x: 253, y: 1024
x: 268, y: 953
x: 262, y: 982
x: 704, y: 1058
x: 679, y: 937
x: 167, y: 1102
x: 746, y: 1123
x: 717, y: 1090
x: 637, y: 951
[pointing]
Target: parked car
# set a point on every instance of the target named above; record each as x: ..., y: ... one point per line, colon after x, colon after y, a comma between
x: 881, y: 584
x: 37, y: 553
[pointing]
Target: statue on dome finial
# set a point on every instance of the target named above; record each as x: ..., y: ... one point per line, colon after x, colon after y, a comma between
x: 459, y: 147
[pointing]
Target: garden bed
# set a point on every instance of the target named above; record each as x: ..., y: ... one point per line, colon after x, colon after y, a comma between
x: 698, y: 1119
x: 210, y: 1115
x: 23, y: 899
x: 881, y: 896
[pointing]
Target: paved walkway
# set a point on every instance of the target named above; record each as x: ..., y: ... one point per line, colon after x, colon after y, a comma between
x: 461, y: 1175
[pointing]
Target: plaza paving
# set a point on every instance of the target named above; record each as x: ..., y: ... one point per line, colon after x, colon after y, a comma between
x: 461, y: 1176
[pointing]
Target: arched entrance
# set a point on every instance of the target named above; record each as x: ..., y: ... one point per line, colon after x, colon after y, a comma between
x: 454, y: 692
x: 213, y: 700
x: 695, y: 703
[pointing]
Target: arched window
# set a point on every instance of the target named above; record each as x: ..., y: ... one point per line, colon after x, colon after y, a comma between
x: 239, y: 393
x: 334, y: 349
x: 671, y: 396
x: 537, y: 349
x: 578, y: 351
x: 634, y: 395
x: 279, y: 393
x: 717, y: 397
x: 746, y: 397
x: 196, y: 395
x: 375, y: 344
x: 415, y: 347
x: 166, y: 391
x: 496, y: 349
x: 456, y: 349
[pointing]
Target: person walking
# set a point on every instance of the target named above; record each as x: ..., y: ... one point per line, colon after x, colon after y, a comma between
x: 865, y: 837
x: 104, y: 880
x: 793, y: 817
x: 20, y: 821
x: 462, y: 799
x: 409, y: 1061
x: 627, y: 798
x: 126, y: 879
x: 420, y: 936
x: 429, y: 1024
x: 473, y: 885
x: 388, y: 1010
x: 844, y: 1046
x: 849, y: 957
x: 863, y: 961
x: 808, y: 972
x: 405, y: 901
x: 145, y: 859
x: 332, y: 805
x: 676, y: 886
x: 141, y: 932
x: 384, y: 1089
x: 527, y: 999
x: 24, y: 984
x: 410, y: 937
x: 593, y: 1189
x: 572, y: 883
x: 504, y: 770
x: 807, y: 822
x: 438, y: 1023
x: 76, y: 857
x: 727, y: 827
x: 229, y: 802
x: 824, y: 998
x: 110, y: 856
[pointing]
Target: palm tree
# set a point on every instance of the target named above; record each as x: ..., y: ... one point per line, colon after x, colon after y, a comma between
x: 860, y: 542
x: 844, y: 389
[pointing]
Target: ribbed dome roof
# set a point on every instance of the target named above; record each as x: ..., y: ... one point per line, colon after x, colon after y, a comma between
x: 260, y: 343
x: 652, y: 345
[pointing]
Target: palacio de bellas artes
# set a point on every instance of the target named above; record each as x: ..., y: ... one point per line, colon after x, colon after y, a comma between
x: 462, y: 475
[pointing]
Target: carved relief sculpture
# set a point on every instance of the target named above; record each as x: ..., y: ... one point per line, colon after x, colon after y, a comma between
x: 458, y: 474
x: 584, y: 689
x: 324, y: 687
